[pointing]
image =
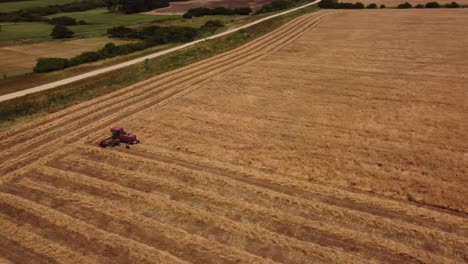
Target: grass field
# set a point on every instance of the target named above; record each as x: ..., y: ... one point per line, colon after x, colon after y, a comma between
x: 338, y: 138
x: 99, y: 20
x: 13, y: 32
x: 13, y: 6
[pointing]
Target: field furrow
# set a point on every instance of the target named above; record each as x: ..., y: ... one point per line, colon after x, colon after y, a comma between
x: 250, y: 238
x: 20, y: 245
x: 148, y: 180
x: 276, y: 221
x: 98, y: 213
x: 309, y: 190
x: 77, y: 234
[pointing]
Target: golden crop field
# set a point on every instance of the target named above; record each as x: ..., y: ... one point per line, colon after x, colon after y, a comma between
x: 338, y: 138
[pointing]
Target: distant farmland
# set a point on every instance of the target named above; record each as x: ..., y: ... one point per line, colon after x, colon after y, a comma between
x: 183, y: 6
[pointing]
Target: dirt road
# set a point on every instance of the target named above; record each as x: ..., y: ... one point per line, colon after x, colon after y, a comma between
x: 338, y: 138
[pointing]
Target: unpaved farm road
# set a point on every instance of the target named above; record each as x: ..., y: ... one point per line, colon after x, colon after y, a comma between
x: 337, y: 138
x: 83, y: 76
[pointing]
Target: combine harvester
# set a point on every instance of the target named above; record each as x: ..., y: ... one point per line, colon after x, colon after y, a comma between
x: 119, y: 136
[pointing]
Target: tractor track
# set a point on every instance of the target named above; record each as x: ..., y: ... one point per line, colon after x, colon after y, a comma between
x: 48, y: 137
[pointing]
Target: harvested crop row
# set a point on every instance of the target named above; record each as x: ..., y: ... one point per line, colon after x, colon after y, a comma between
x: 388, y: 207
x: 250, y: 238
x: 23, y: 246
x: 68, y: 227
x: 274, y: 220
x: 311, y: 209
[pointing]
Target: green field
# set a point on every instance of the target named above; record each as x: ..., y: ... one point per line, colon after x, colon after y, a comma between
x: 13, y: 6
x: 99, y: 20
x: 27, y: 30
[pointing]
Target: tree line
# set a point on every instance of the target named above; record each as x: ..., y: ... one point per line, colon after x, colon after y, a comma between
x: 430, y: 5
x: 36, y: 14
x: 217, y: 11
x: 136, y: 6
x: 149, y: 36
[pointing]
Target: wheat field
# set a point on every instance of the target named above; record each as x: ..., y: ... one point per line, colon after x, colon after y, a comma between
x: 338, y: 138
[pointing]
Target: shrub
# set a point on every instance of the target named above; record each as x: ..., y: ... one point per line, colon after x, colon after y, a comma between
x: 334, y: 4
x: 432, y: 5
x: 50, y: 64
x: 405, y: 5
x: 63, y: 20
x: 372, y: 6
x: 135, y: 6
x: 452, y: 5
x: 122, y: 32
x: 328, y: 4
x: 217, y: 11
x: 358, y: 5
x: 243, y: 11
x: 275, y: 5
x: 162, y: 35
x: 211, y: 26
x: 85, y: 57
x: 60, y: 31
x: 419, y: 6
x: 382, y: 6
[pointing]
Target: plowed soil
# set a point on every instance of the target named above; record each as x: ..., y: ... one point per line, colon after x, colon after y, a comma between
x: 184, y: 6
x: 338, y: 138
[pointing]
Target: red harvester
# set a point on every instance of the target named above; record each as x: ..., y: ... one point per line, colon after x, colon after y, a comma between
x: 119, y: 136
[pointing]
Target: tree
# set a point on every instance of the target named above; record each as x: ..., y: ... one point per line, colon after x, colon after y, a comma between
x: 452, y: 5
x: 60, y: 31
x: 372, y: 6
x: 211, y: 26
x: 50, y: 64
x: 63, y: 20
x: 432, y: 5
x: 405, y: 5
x: 382, y: 6
x: 358, y: 5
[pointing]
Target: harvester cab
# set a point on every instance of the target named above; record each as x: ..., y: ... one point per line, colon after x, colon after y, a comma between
x: 119, y: 136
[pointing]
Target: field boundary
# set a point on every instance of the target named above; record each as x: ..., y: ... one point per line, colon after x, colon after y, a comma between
x: 87, y: 75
